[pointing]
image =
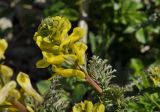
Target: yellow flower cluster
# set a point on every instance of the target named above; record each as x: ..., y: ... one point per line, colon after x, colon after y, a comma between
x: 8, y: 91
x: 87, y: 106
x: 61, y: 51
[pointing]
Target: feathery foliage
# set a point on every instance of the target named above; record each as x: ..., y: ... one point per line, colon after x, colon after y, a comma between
x: 101, y: 72
x: 56, y: 99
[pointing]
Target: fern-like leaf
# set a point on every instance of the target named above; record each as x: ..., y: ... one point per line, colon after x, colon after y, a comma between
x: 57, y: 99
x: 100, y: 71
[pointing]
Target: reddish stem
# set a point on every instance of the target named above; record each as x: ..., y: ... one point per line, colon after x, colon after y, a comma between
x: 19, y: 106
x: 91, y: 81
x: 93, y: 84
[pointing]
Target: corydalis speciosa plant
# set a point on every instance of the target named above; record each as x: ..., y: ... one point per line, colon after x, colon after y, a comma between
x: 64, y: 54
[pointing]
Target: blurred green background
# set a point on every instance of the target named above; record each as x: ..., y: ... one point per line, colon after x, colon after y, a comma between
x: 126, y: 32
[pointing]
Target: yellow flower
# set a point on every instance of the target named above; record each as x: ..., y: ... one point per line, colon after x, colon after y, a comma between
x: 35, y: 36
x: 45, y: 45
x: 79, y: 49
x: 24, y: 81
x: 3, y: 47
x: 88, y: 106
x: 62, y: 28
x: 99, y: 107
x: 60, y: 49
x: 77, y: 34
x: 15, y: 93
x: 4, y: 92
x: 50, y: 59
x: 58, y: 59
x: 6, y: 72
x: 69, y: 72
x: 42, y: 63
x: 78, y: 107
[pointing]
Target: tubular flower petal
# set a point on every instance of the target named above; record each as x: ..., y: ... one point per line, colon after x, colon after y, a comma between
x: 4, y: 92
x: 74, y: 37
x: 99, y: 107
x: 6, y: 71
x: 35, y: 36
x: 15, y: 93
x: 53, y: 59
x: 69, y: 72
x: 79, y: 107
x: 3, y: 47
x: 58, y: 59
x: 42, y: 63
x: 25, y: 83
x: 79, y: 49
x: 88, y: 106
x: 77, y: 34
x: 45, y: 45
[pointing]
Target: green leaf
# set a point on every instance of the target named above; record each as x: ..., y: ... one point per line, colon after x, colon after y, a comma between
x: 140, y: 36
x: 78, y: 92
x: 43, y: 86
x: 129, y: 29
x: 137, y: 65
